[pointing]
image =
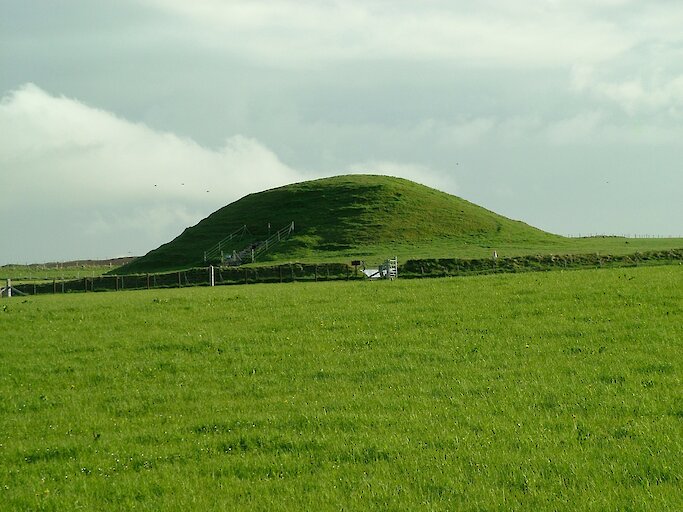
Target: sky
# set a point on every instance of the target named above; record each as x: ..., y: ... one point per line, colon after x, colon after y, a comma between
x: 124, y: 122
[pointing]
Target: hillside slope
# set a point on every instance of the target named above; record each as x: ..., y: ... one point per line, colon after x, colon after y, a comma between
x: 342, y: 216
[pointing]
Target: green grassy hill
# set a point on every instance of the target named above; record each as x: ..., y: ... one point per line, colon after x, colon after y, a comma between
x: 355, y: 216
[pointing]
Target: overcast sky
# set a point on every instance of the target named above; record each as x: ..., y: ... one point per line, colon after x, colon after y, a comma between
x: 124, y: 122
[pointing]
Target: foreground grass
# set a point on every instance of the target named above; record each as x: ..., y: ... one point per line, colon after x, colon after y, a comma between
x: 556, y: 391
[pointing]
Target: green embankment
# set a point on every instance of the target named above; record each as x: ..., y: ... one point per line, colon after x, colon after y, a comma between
x: 357, y: 216
x: 538, y: 391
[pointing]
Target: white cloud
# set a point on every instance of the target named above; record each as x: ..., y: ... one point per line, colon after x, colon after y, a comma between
x: 56, y: 142
x: 289, y: 32
x: 648, y: 79
x: 134, y: 187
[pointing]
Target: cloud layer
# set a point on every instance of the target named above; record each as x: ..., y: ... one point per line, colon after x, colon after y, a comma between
x: 486, y: 33
x: 532, y: 108
x: 60, y: 157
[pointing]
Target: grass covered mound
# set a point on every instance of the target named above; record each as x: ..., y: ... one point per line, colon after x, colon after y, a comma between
x: 344, y: 216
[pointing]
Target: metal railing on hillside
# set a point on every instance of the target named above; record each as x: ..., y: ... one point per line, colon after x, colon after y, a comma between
x: 253, y: 251
x: 273, y: 240
x: 216, y: 251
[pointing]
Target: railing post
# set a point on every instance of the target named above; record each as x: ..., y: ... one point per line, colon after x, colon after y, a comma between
x: 212, y: 279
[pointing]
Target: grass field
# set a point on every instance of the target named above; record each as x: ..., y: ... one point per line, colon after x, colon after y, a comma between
x: 543, y: 391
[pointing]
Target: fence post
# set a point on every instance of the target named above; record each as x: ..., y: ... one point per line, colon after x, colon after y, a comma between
x: 8, y: 290
x: 148, y: 280
x: 180, y: 283
x: 212, y: 278
x: 85, y: 284
x: 54, y: 286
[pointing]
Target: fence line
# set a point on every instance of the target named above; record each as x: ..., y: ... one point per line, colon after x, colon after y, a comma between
x: 340, y: 271
x: 203, y: 276
x: 629, y: 235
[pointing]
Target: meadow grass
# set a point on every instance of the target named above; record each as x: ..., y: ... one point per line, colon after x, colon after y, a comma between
x: 543, y: 391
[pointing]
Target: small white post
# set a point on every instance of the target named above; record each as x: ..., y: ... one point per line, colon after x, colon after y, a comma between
x: 213, y: 281
x: 9, y: 287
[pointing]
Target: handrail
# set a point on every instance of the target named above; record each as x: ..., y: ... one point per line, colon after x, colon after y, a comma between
x: 274, y: 239
x: 217, y: 249
x: 256, y: 249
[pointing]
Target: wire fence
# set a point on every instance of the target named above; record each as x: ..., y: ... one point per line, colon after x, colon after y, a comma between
x: 205, y: 276
x: 626, y: 235
x: 300, y: 272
